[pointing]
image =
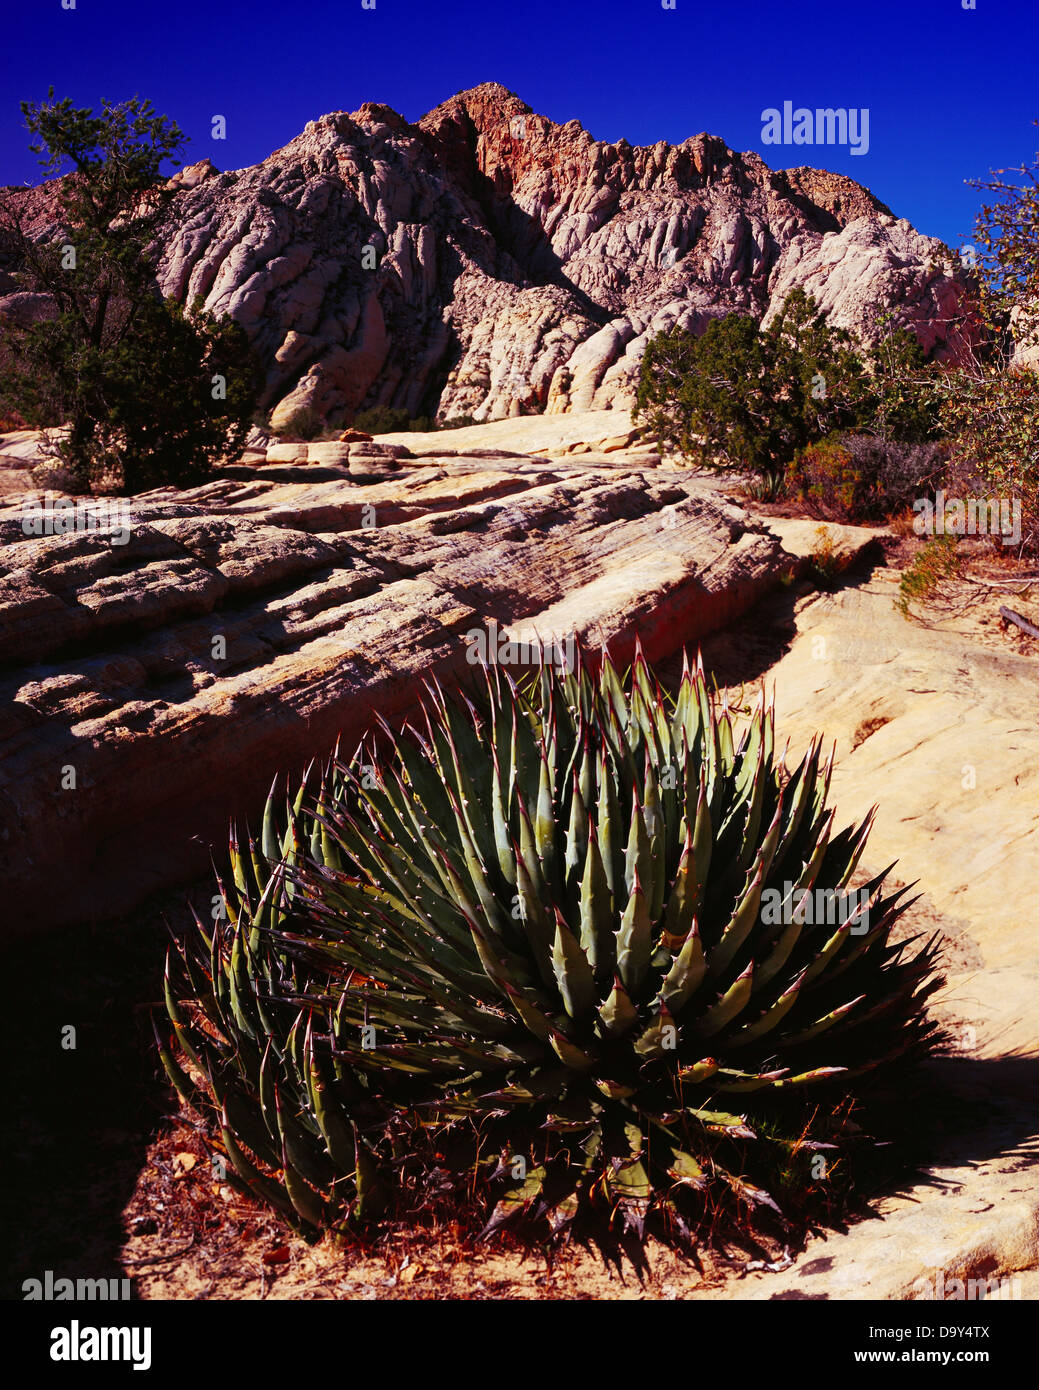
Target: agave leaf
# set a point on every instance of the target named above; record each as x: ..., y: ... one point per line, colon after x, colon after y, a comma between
x: 371, y: 1195
x: 725, y: 745
x: 569, y: 1053
x: 754, y: 808
x: 531, y: 896
x: 563, y: 1213
x: 682, y: 900
x: 819, y: 1074
x: 685, y: 1169
x: 703, y: 840
x: 176, y: 1018
x: 185, y: 1087
x: 422, y: 776
x: 735, y: 1126
x: 617, y: 1013
x: 660, y: 1037
x: 308, y: 1204
x: 687, y: 972
x: 268, y: 1103
x: 530, y: 1015
x: 238, y: 873
x: 243, y: 1113
x: 634, y: 940
x: 614, y: 1090
x: 572, y: 971
x: 500, y: 817
x: 515, y: 1201
x: 240, y: 986
x: 608, y: 827
x: 729, y: 1080
x: 302, y: 1149
x: 828, y: 951
x: 489, y: 904
x: 738, y: 928
x: 269, y: 839
x: 772, y: 1016
x: 598, y: 939
x: 637, y: 855
x: 266, y: 1188
x: 631, y: 1188
x: 576, y: 834
x: 732, y: 1002
x: 525, y: 769
x: 821, y: 1025
x: 612, y: 692
x: 545, y: 824
x: 335, y: 1128
x: 653, y: 817
x: 800, y: 792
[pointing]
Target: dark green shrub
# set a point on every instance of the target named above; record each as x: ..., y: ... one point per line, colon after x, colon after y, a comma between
x: 456, y: 422
x: 149, y: 392
x: 382, y: 419
x: 747, y: 398
x: 303, y: 426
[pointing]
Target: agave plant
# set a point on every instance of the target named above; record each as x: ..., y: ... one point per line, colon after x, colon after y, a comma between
x: 537, y: 913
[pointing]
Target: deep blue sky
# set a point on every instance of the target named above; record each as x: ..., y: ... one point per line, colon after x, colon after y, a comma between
x: 951, y: 93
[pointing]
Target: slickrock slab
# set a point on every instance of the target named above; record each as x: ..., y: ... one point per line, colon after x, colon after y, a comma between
x: 20, y: 449
x: 940, y: 730
x: 150, y: 690
x: 543, y: 434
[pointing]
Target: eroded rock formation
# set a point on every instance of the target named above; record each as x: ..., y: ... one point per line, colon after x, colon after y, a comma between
x: 488, y: 261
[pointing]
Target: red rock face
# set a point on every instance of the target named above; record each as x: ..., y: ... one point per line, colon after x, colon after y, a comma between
x: 490, y: 262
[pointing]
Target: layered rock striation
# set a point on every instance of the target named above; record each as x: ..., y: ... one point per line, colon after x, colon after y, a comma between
x: 157, y: 672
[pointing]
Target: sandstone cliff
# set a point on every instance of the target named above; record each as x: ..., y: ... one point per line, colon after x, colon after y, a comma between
x: 516, y: 265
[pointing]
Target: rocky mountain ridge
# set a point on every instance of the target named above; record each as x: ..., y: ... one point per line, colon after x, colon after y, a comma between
x: 488, y: 261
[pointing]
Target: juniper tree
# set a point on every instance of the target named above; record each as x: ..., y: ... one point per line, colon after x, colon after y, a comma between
x: 747, y: 397
x: 146, y: 390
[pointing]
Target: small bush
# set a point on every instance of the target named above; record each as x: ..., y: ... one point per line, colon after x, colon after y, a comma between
x: 303, y: 426
x: 424, y: 999
x: 826, y: 562
x: 382, y: 419
x: 937, y: 560
x: 763, y: 487
x: 388, y: 419
x: 52, y: 476
x: 862, y: 477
